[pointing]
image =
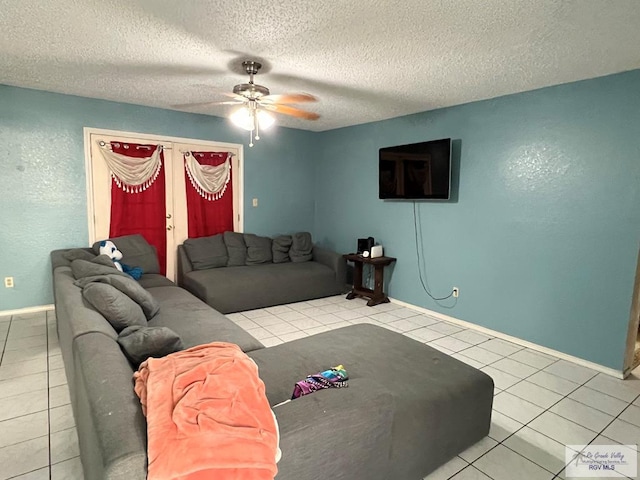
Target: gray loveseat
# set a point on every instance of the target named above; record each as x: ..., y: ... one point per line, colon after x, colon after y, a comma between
x: 408, y: 409
x: 233, y: 272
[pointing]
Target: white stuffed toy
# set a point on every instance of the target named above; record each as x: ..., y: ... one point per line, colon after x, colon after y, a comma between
x: 108, y: 248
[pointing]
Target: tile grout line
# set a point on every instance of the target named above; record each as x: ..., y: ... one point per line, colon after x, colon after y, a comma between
x: 523, y: 426
x: 46, y: 324
x: 545, y: 410
x: 4, y: 343
x: 609, y: 424
x: 549, y: 410
x: 470, y: 465
x: 501, y: 442
x: 567, y: 419
x: 565, y: 396
x: 47, y: 409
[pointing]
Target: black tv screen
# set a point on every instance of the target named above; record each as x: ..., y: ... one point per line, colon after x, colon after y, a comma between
x: 416, y: 171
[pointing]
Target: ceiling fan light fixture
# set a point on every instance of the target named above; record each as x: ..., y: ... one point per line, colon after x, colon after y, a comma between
x: 265, y: 119
x: 243, y: 118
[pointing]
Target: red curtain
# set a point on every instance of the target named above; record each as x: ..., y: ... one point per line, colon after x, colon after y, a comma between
x: 208, y: 217
x: 142, y: 212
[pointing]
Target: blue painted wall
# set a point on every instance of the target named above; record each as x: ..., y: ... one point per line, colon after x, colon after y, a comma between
x: 542, y: 237
x: 43, y: 199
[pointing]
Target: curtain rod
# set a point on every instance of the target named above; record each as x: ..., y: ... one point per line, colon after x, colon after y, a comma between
x: 188, y: 152
x: 103, y: 143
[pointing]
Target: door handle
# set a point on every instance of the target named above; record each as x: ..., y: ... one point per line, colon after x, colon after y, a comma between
x: 169, y: 227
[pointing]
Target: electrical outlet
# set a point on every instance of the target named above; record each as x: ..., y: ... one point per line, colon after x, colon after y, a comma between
x: 8, y: 282
x: 255, y: 202
x: 456, y: 292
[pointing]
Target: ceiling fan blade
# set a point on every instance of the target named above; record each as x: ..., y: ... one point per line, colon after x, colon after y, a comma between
x: 214, y: 89
x: 240, y: 98
x: 294, y: 112
x: 289, y: 98
x: 205, y: 104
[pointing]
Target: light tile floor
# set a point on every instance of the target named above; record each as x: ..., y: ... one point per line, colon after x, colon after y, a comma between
x: 541, y: 403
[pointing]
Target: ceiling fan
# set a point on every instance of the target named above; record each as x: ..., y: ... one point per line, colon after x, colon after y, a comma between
x: 256, y: 102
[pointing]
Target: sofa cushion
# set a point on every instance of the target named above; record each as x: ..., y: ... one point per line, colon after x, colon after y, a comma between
x: 149, y: 280
x: 234, y: 289
x: 301, y: 247
x: 195, y: 321
x: 236, y: 248
x: 280, y: 248
x: 207, y: 252
x: 119, y: 310
x: 136, y: 252
x: 139, y: 343
x: 258, y: 249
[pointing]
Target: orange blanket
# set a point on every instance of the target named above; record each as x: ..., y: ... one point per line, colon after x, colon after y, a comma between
x: 207, y: 416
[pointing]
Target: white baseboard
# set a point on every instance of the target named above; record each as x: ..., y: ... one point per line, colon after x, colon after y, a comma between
x: 27, y: 310
x: 517, y: 341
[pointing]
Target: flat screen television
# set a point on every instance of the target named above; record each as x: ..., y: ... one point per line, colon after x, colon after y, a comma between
x: 416, y: 171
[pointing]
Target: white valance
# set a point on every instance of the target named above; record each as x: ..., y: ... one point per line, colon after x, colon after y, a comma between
x: 133, y: 175
x: 208, y: 180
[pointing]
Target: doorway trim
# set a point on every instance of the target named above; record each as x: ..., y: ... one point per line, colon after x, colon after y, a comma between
x: 165, y: 140
x: 634, y: 324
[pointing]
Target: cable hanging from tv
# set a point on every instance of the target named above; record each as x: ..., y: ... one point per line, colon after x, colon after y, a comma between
x: 422, y: 280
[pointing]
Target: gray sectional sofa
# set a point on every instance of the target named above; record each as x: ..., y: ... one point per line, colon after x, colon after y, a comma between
x: 233, y: 272
x: 408, y: 409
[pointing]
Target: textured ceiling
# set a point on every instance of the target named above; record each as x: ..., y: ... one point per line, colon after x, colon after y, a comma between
x: 365, y: 61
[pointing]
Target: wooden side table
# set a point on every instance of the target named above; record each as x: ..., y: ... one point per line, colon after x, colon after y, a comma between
x: 377, y: 295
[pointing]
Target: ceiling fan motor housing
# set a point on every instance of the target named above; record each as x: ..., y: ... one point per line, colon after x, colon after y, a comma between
x: 250, y: 90
x: 251, y: 67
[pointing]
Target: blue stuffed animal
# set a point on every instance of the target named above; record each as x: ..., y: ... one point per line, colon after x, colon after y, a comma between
x: 107, y: 247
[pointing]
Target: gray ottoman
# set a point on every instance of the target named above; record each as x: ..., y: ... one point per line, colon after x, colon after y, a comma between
x: 439, y: 405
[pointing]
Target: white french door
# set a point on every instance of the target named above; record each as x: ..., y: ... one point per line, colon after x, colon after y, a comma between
x: 99, y: 184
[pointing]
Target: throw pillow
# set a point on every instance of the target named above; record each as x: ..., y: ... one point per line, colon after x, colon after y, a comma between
x: 130, y: 287
x: 280, y: 248
x: 258, y: 249
x: 119, y: 310
x: 301, y: 247
x: 236, y: 248
x: 78, y: 253
x: 133, y: 290
x: 100, y: 265
x: 139, y: 343
x: 206, y: 252
x: 136, y: 252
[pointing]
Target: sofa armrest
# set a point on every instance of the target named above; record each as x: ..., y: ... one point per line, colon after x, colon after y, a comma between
x: 347, y: 430
x: 334, y: 261
x: 111, y: 426
x: 184, y: 264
